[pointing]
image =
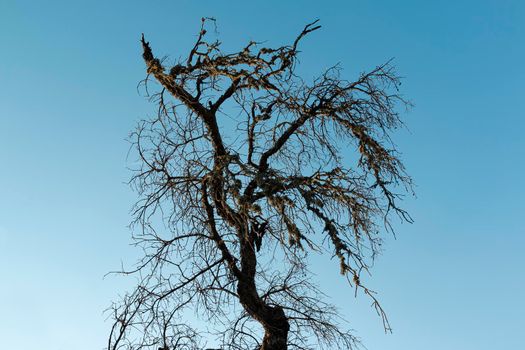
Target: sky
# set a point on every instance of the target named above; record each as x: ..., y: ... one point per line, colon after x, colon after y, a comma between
x: 68, y: 99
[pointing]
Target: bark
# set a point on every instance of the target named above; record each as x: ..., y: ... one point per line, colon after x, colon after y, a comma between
x: 272, y: 318
x: 276, y: 333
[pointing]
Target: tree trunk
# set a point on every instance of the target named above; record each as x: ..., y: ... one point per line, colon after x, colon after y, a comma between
x: 272, y: 318
x: 276, y: 331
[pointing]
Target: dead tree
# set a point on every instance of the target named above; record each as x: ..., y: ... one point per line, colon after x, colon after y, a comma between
x: 244, y: 173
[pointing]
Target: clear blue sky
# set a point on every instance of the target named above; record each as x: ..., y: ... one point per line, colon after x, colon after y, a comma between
x: 68, y: 75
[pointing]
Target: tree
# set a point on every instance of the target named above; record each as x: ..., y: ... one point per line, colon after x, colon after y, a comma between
x: 241, y: 178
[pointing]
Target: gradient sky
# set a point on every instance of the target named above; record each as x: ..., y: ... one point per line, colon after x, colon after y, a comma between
x: 68, y: 98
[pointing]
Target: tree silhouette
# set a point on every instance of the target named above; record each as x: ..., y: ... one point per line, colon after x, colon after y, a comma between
x: 241, y: 178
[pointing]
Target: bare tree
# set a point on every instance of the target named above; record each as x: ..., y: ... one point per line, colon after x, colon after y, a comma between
x: 242, y: 177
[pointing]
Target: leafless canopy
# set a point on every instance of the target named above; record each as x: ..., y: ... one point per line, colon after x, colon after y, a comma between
x: 244, y: 173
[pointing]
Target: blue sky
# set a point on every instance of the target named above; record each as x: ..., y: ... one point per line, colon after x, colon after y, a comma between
x: 68, y: 98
